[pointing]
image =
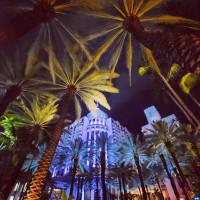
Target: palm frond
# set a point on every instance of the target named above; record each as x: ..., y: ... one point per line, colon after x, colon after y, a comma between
x: 174, y: 69
x: 148, y: 56
x: 168, y: 19
x: 129, y: 53
x: 148, y: 6
x: 188, y: 82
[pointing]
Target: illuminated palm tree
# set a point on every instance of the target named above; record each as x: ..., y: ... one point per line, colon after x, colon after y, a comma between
x: 75, y: 153
x: 124, y: 174
x: 16, y: 81
x: 71, y: 83
x: 151, y: 62
x: 36, y: 119
x: 125, y: 22
x: 50, y: 17
x: 132, y: 150
x: 103, y: 143
x: 157, y: 157
x: 163, y: 136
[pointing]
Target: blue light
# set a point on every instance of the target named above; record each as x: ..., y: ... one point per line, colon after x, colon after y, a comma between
x: 196, y: 198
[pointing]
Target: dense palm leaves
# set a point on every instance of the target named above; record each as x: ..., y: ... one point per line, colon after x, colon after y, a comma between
x: 134, y: 151
x: 49, y: 16
x: 36, y: 119
x: 119, y: 30
x: 102, y: 141
x: 72, y: 153
x: 163, y: 137
x: 16, y: 81
x: 72, y: 83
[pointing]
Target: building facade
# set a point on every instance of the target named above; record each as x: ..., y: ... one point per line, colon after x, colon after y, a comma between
x: 88, y: 129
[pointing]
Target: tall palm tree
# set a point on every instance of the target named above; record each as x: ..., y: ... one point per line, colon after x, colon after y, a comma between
x: 103, y: 144
x: 75, y: 153
x: 160, y: 155
x: 163, y: 135
x: 49, y: 19
x: 71, y: 83
x: 123, y: 24
x: 132, y: 150
x: 124, y: 174
x: 153, y: 64
x: 36, y: 120
x: 16, y: 82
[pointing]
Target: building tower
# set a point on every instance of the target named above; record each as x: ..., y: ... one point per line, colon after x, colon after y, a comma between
x: 88, y: 129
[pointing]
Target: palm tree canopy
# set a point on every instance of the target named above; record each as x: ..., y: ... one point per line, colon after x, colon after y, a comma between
x: 13, y: 74
x: 32, y: 161
x: 51, y: 17
x: 130, y: 148
x: 79, y: 83
x: 163, y: 134
x: 38, y: 113
x: 68, y: 150
x: 122, y: 13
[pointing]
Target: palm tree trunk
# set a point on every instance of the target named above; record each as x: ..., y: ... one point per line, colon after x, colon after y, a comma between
x: 181, y: 49
x: 73, y: 176
x: 81, y: 188
x: 162, y: 158
x: 184, y: 181
x: 78, y: 188
x: 179, y: 99
x: 97, y: 188
x: 124, y: 186
x: 103, y: 167
x: 120, y: 187
x: 148, y: 194
x: 11, y: 94
x: 25, y: 22
x: 139, y: 191
x: 158, y: 183
x: 194, y: 99
x: 137, y: 162
x: 181, y: 108
x: 181, y: 184
x: 39, y: 178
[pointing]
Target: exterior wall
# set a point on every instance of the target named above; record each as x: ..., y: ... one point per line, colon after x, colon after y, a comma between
x: 152, y: 116
x: 88, y: 128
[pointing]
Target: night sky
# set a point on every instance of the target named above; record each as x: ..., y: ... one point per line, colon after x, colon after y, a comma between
x: 128, y: 106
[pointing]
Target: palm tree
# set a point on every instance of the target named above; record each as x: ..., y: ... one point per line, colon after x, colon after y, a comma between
x: 17, y: 82
x: 36, y: 119
x: 50, y: 18
x: 124, y: 174
x: 71, y: 83
x: 75, y: 153
x: 160, y: 154
x: 132, y: 150
x: 175, y: 97
x: 163, y: 136
x: 124, y: 23
x: 103, y: 143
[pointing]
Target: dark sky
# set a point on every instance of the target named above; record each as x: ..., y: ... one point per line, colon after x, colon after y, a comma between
x: 128, y: 106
